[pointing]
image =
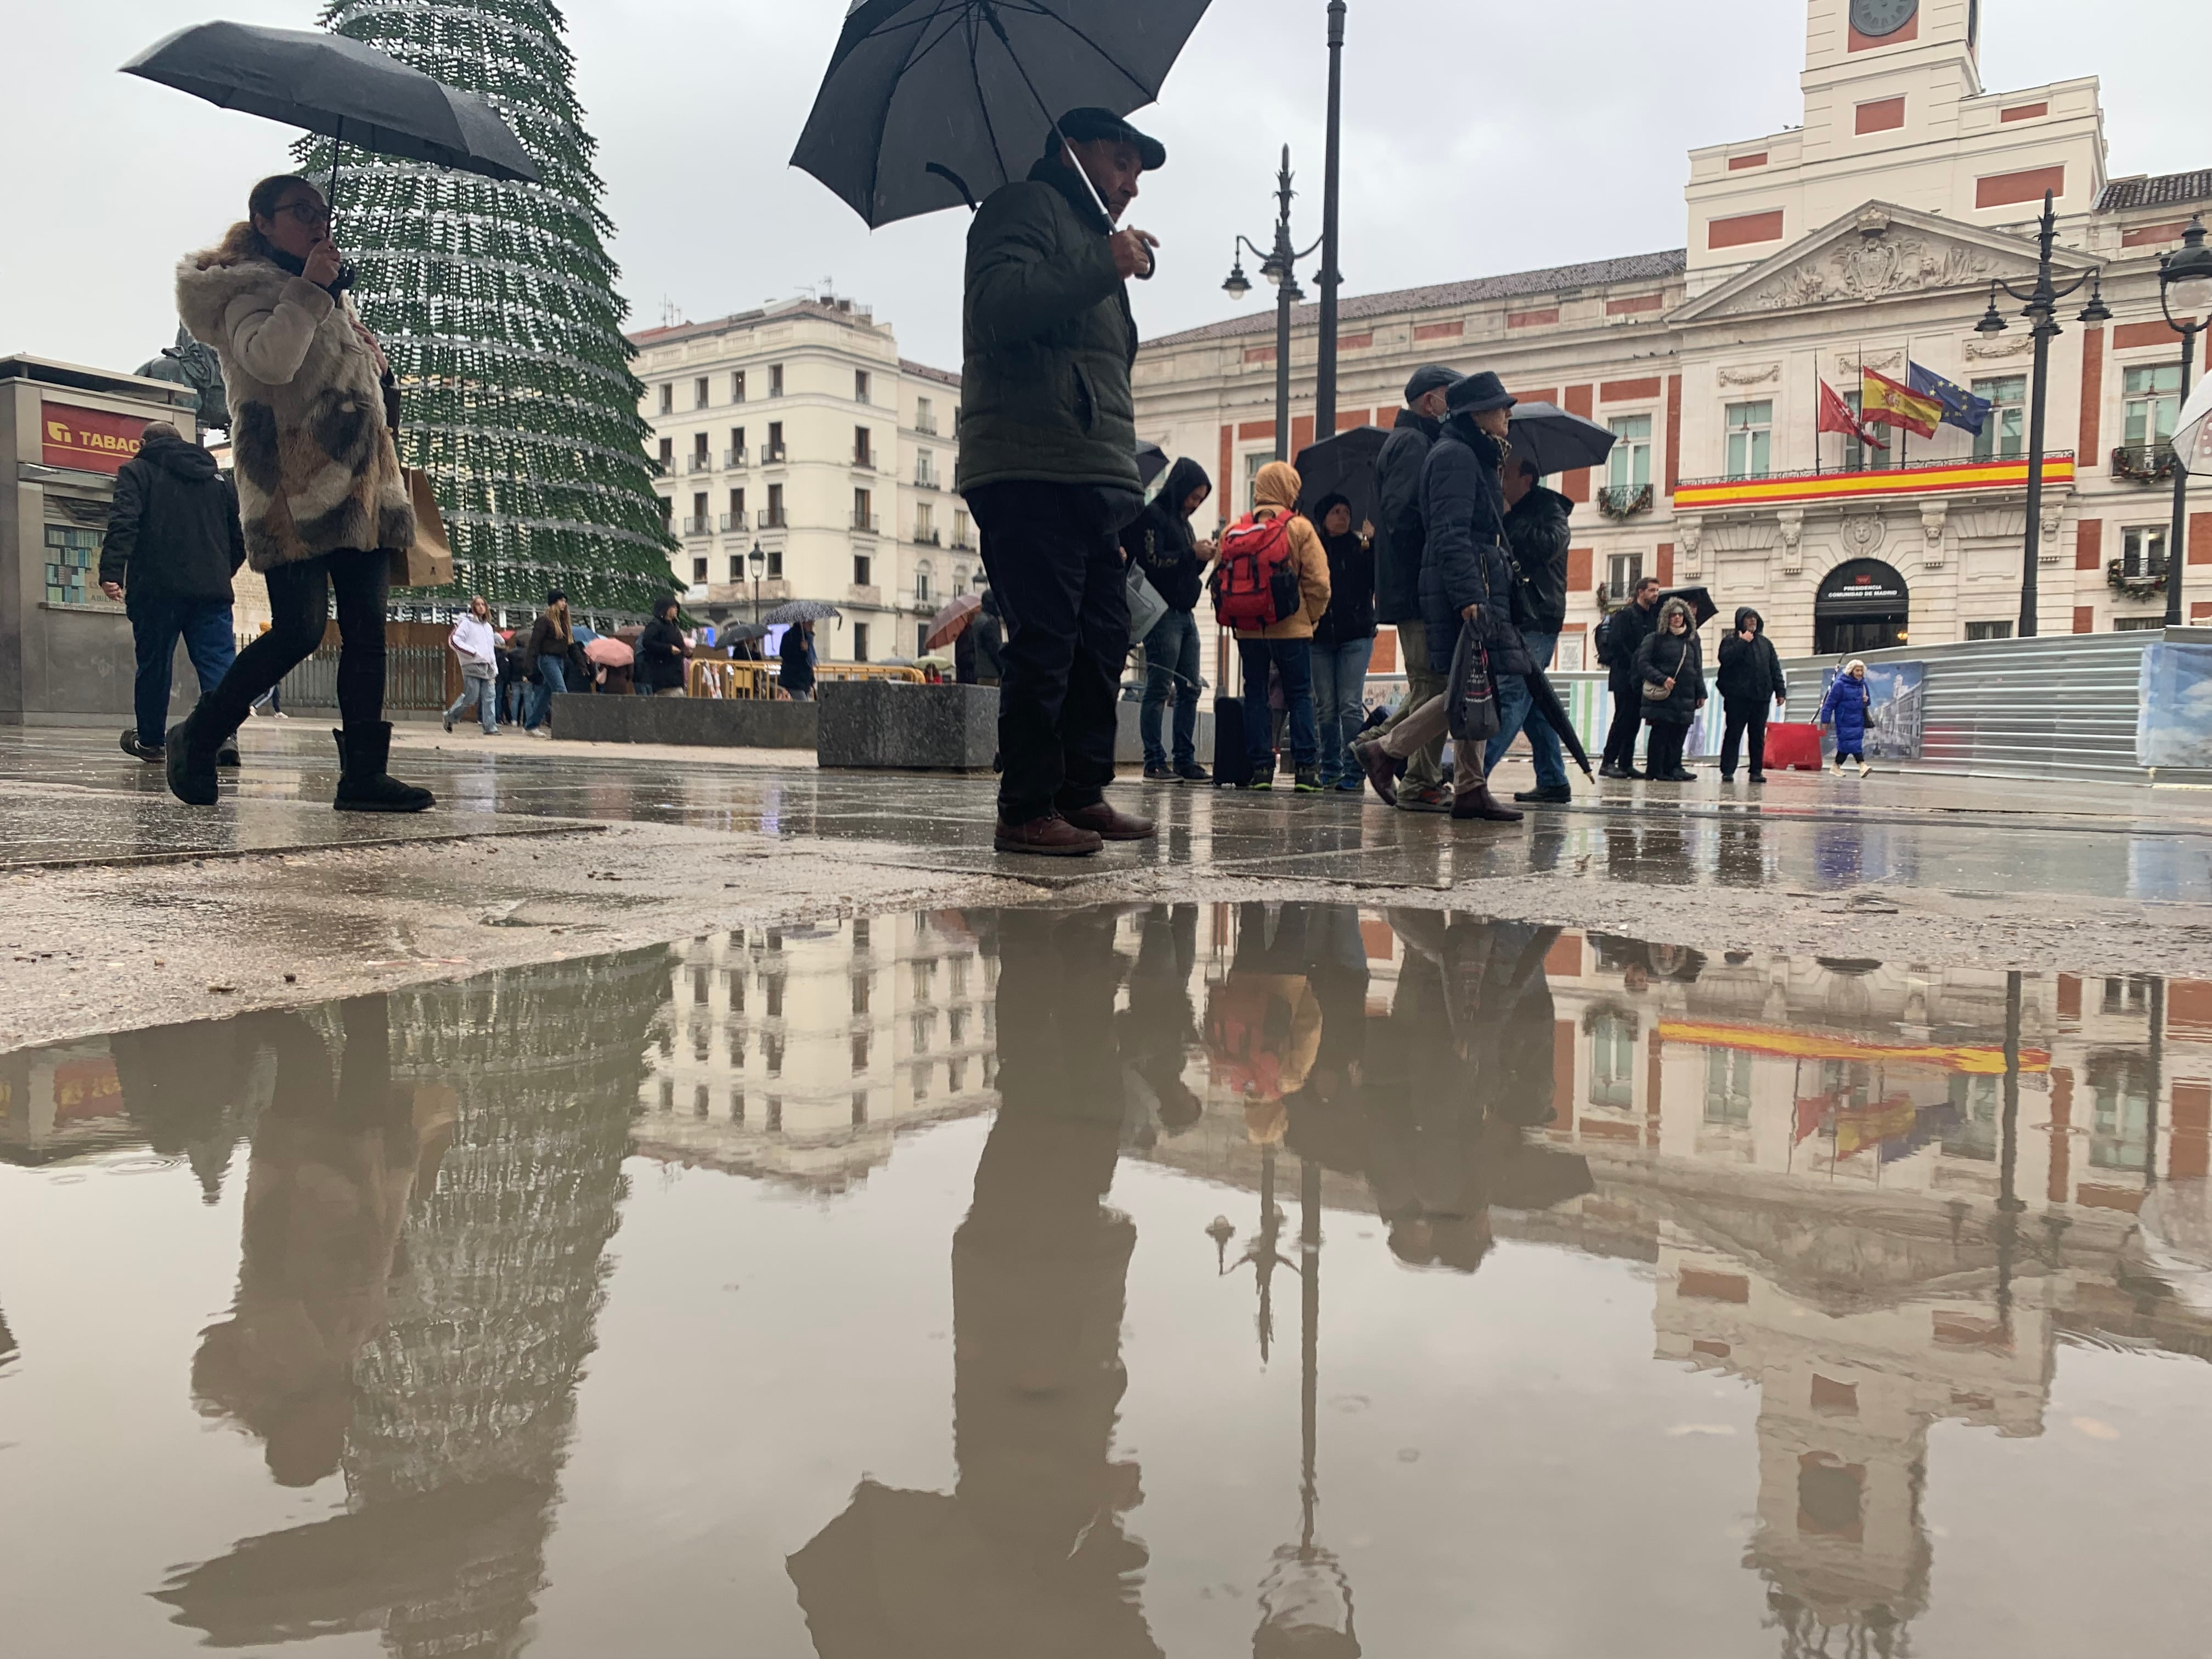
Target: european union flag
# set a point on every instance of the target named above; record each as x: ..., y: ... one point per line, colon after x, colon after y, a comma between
x: 1961, y: 408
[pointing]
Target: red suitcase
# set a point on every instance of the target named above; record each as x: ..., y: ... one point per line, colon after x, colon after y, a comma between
x: 1793, y: 746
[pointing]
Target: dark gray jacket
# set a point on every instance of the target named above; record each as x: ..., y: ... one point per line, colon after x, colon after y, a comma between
x: 1536, y: 538
x: 1751, y: 673
x: 1401, y: 538
x: 1463, y: 505
x: 173, y: 534
x: 1677, y: 657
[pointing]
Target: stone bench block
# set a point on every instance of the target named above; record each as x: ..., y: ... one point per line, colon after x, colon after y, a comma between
x: 708, y: 722
x: 906, y: 727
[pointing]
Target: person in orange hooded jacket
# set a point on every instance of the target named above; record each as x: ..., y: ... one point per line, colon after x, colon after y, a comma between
x: 1282, y: 646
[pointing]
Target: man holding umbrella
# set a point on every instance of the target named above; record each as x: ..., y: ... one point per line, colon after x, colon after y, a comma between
x: 1536, y: 538
x: 1400, y: 540
x: 1048, y: 466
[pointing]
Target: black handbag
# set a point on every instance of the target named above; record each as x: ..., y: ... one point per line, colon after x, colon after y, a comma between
x: 1472, y: 713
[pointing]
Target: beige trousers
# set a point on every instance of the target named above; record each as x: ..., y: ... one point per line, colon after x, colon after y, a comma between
x: 1426, y: 726
x: 1425, y: 766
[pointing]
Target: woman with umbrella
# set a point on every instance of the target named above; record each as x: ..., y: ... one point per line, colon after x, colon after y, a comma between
x: 796, y: 676
x: 320, y: 492
x: 661, y: 653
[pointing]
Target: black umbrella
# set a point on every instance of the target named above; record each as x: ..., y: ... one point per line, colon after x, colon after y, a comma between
x: 1701, y: 604
x: 1547, y: 703
x: 738, y: 633
x: 1556, y: 441
x: 792, y: 610
x: 1343, y: 466
x: 336, y: 86
x: 930, y: 104
x: 1152, y: 461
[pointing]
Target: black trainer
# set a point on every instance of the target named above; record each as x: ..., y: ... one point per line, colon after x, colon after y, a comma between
x: 1546, y: 794
x: 1192, y: 772
x: 152, y: 753
x: 1162, y: 774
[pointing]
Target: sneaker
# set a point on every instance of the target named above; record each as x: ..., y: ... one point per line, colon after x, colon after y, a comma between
x: 1192, y: 772
x: 1546, y: 794
x: 1049, y: 836
x: 1109, y: 824
x: 1434, y: 799
x: 449, y: 720
x: 1350, y: 786
x: 539, y: 730
x: 152, y: 753
x: 1264, y: 781
x: 282, y: 716
x: 1162, y: 772
x: 1839, y: 766
x: 1864, y: 768
x: 227, y: 754
x: 1307, y: 782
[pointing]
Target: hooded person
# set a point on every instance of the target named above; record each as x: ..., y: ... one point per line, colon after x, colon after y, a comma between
x: 174, y: 542
x: 1670, y: 677
x: 1466, y: 577
x: 1163, y: 543
x: 323, y: 504
x: 1845, y: 708
x: 1749, y: 680
x: 1343, y: 641
x: 1401, y: 547
x: 1283, y: 645
x: 1536, y: 538
x: 1048, y: 467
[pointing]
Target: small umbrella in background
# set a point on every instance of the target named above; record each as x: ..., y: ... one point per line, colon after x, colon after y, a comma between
x: 796, y: 610
x: 1556, y: 441
x: 950, y: 623
x: 609, y: 653
x: 739, y: 633
x: 1152, y: 461
x: 1343, y: 466
x: 1702, y: 608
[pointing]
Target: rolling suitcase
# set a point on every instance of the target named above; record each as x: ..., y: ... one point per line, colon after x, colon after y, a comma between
x: 1231, y: 765
x: 1791, y: 746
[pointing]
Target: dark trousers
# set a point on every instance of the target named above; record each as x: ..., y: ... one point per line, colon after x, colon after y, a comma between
x: 300, y: 607
x: 1663, y: 753
x: 1057, y: 570
x: 1627, y: 715
x: 156, y: 625
x: 1293, y: 660
x: 1747, y: 722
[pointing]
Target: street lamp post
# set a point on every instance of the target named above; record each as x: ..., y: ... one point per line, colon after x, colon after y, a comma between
x: 1325, y: 356
x: 2040, y: 307
x: 758, y: 560
x: 1279, y: 265
x: 2185, y: 278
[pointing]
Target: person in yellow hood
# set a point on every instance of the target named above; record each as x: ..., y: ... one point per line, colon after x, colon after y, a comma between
x: 1284, y: 646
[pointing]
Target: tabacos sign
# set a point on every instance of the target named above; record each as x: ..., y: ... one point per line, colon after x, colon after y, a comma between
x: 87, y: 440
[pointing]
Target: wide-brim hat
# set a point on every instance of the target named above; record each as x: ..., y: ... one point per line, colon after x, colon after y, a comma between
x: 1081, y: 126
x: 1478, y: 393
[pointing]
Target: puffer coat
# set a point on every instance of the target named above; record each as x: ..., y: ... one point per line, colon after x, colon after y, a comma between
x: 1676, y: 657
x: 1463, y: 505
x: 1846, y: 705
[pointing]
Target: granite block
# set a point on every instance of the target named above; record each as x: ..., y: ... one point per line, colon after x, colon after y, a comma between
x: 706, y: 722
x: 906, y: 727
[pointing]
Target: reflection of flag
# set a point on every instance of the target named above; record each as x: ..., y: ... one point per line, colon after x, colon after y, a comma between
x: 1836, y: 417
x: 1883, y: 402
x: 1961, y: 407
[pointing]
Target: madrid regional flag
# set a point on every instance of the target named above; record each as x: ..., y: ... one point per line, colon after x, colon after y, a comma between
x: 1883, y: 402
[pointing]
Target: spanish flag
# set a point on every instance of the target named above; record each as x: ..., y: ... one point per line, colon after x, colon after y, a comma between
x: 1884, y: 402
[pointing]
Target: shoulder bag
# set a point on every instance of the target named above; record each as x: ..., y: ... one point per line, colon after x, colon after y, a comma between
x: 1660, y: 694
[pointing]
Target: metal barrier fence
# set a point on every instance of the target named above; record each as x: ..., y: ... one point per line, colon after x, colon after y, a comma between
x: 414, y: 679
x: 711, y: 676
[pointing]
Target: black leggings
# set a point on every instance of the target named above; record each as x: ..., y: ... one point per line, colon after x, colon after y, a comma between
x: 1662, y: 754
x: 299, y: 605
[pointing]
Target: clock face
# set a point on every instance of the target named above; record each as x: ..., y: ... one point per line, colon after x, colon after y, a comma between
x: 1876, y: 18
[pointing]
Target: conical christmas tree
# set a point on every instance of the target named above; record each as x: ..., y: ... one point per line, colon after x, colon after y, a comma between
x: 496, y: 305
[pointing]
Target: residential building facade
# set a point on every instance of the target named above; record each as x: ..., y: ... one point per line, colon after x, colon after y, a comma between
x: 798, y: 430
x: 1867, y: 238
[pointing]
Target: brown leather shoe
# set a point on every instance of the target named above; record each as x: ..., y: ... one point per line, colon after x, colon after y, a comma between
x: 1478, y: 802
x: 1103, y: 820
x: 1377, y: 764
x: 1049, y: 836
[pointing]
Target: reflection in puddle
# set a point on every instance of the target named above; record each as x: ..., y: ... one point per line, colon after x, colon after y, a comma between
x: 1465, y: 1181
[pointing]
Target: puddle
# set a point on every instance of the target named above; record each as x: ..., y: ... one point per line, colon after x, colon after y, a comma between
x: 1287, y: 1279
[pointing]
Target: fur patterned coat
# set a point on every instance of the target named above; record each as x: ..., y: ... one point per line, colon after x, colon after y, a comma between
x: 314, y: 464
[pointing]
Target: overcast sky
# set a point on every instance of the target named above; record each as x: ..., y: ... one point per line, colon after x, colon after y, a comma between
x: 1479, y: 138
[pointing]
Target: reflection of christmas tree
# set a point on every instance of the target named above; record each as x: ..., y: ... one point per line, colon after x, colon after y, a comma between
x: 496, y: 305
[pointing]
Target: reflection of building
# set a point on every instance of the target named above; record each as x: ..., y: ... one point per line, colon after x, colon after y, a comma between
x: 799, y: 1052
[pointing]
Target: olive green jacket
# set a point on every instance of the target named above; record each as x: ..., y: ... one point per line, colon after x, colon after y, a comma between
x: 1049, y: 339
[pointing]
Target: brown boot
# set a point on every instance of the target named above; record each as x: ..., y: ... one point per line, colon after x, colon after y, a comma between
x: 1103, y: 820
x: 1478, y: 802
x: 1378, y: 767
x: 1049, y: 836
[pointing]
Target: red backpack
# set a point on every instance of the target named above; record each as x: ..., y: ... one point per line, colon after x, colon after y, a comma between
x: 1256, y: 584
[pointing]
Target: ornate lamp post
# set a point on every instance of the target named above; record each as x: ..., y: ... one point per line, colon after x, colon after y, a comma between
x: 2184, y: 279
x: 2040, y: 307
x: 1277, y: 265
x: 758, y: 560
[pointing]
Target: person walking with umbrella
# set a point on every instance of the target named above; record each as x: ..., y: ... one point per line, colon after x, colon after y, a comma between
x: 1401, y: 541
x: 1163, y: 544
x: 321, y: 498
x: 1048, y: 466
x: 796, y: 657
x: 1536, y: 537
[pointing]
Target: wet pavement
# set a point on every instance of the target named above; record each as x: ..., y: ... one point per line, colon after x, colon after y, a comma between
x: 1194, y: 1280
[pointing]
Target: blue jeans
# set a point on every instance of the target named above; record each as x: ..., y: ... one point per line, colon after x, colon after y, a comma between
x: 1516, y: 709
x: 553, y: 680
x: 1293, y: 660
x: 1340, y: 679
x: 155, y: 626
x: 1171, y: 675
x: 483, y: 691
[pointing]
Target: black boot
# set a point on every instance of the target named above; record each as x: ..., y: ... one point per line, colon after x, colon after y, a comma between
x: 363, y: 784
x: 190, y: 761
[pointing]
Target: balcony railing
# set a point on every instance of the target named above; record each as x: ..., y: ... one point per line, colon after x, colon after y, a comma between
x: 2144, y: 463
x: 772, y: 518
x: 1624, y: 501
x: 864, y: 461
x: 866, y: 522
x: 772, y: 454
x: 733, y: 521
x: 1919, y: 478
x: 699, y: 461
x: 666, y: 464
x: 925, y: 481
x: 925, y: 537
x: 927, y: 429
x: 734, y: 458
x: 961, y: 544
x: 698, y: 527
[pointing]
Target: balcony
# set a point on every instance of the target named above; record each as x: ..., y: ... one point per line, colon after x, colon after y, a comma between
x: 925, y: 481
x: 1624, y: 501
x: 735, y: 521
x: 961, y: 544
x: 733, y: 457
x: 772, y: 455
x: 2144, y: 463
x: 927, y: 429
x: 864, y: 461
x: 699, y: 526
x: 772, y: 518
x: 699, y: 461
x: 925, y: 537
x: 1920, y: 478
x: 866, y: 523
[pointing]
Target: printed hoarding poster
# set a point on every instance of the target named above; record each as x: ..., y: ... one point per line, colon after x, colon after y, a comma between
x: 1898, y: 691
x: 2173, y: 721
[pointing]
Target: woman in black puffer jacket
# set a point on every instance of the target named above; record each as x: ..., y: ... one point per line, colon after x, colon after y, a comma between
x: 1671, y: 675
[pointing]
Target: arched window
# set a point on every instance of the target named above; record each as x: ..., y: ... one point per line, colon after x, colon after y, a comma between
x: 923, y: 583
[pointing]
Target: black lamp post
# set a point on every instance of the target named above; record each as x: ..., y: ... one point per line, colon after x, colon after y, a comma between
x: 1325, y: 364
x: 758, y: 560
x: 2040, y: 307
x: 1277, y: 265
x: 2185, y: 278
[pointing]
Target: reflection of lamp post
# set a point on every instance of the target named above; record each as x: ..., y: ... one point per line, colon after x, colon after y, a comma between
x: 758, y: 560
x: 2041, y: 303
x: 1278, y: 267
x: 2184, y: 279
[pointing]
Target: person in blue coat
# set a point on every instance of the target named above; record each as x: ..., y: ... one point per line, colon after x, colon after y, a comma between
x: 1845, y: 708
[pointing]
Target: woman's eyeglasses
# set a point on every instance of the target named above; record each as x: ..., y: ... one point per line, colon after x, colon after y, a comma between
x: 311, y: 215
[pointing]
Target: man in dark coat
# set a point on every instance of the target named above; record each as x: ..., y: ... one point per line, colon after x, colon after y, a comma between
x: 1465, y: 578
x: 796, y: 658
x: 1162, y: 544
x: 174, y: 542
x: 1399, y: 542
x: 1618, y: 637
x: 1536, y: 537
x: 1750, y: 680
x: 1048, y: 465
x: 661, y: 652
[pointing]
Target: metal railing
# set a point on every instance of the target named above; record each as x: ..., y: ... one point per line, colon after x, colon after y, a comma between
x: 713, y: 677
x: 698, y: 527
x: 731, y: 457
x: 1620, y: 500
x: 414, y: 679
x: 925, y: 537
x: 1953, y: 463
x: 866, y: 522
x: 925, y: 481
x: 733, y: 521
x: 772, y: 454
x: 927, y: 429
x: 772, y: 518
x: 2144, y: 463
x: 864, y: 461
x: 699, y: 461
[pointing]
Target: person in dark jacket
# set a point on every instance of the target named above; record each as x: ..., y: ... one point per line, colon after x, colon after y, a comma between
x: 1536, y: 538
x: 1400, y: 542
x: 1465, y: 578
x: 796, y: 654
x: 545, y: 660
x: 661, y: 653
x: 1750, y: 678
x: 1618, y: 638
x: 1670, y: 679
x: 174, y: 542
x: 990, y: 631
x: 1162, y: 544
x: 1343, y: 641
x: 1048, y: 465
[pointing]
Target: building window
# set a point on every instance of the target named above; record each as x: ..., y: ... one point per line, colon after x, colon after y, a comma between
x: 737, y: 567
x: 860, y: 641
x: 775, y: 564
x: 864, y: 450
x: 2136, y: 624
x: 922, y: 639
x: 2003, y: 436
x: 863, y: 567
x: 735, y: 518
x: 774, y: 442
x: 736, y: 455
x: 1728, y: 1088
x: 864, y: 516
x: 1751, y: 439
x: 925, y: 468
x: 1628, y: 468
x: 699, y: 392
x: 925, y: 523
x: 698, y: 570
x: 860, y: 380
x: 1613, y: 1061
x: 960, y: 536
x: 922, y: 573
x: 2130, y: 995
x: 699, y: 452
x: 1866, y: 458
x: 959, y: 581
x: 2154, y: 398
x: 668, y: 454
x: 774, y: 518
x: 667, y: 510
x: 668, y: 398
x: 1622, y: 572
x: 2119, y: 1113
x: 2143, y: 551
x: 775, y: 380
x: 737, y: 385
x: 1252, y: 466
x: 925, y: 417
x: 1988, y: 630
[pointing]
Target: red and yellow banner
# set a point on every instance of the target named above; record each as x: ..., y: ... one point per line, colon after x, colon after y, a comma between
x: 87, y: 440
x: 1977, y: 1060
x: 1853, y: 486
